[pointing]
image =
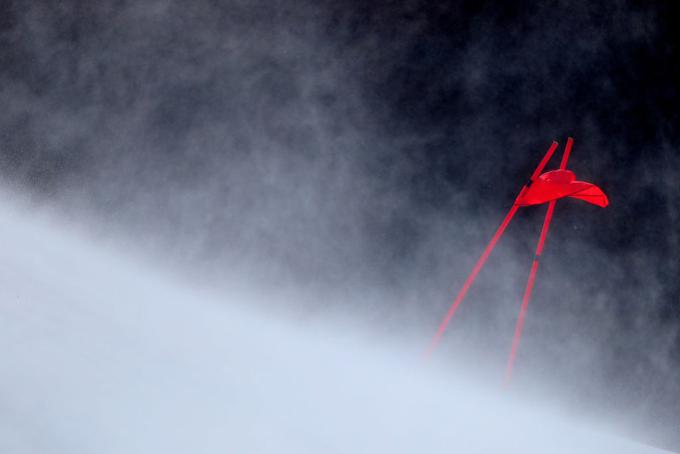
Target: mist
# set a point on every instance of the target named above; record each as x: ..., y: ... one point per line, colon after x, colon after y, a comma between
x: 104, y: 354
x: 339, y: 168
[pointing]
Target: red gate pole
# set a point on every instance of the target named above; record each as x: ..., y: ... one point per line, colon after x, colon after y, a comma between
x: 485, y: 255
x: 532, y: 274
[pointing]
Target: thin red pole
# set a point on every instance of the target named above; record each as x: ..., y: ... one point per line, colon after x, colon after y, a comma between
x: 567, y: 152
x: 485, y: 255
x: 532, y: 274
x: 468, y: 282
x: 527, y: 292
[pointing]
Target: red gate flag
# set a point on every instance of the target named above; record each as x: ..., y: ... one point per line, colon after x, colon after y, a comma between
x: 558, y: 184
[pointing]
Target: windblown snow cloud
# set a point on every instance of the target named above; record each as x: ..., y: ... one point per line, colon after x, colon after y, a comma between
x: 103, y: 354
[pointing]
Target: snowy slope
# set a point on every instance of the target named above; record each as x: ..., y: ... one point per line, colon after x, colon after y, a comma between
x: 100, y: 354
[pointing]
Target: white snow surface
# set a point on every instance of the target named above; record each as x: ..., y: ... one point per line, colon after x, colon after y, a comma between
x: 103, y: 354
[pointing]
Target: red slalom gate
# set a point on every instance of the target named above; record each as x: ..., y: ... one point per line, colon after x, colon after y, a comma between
x: 541, y: 188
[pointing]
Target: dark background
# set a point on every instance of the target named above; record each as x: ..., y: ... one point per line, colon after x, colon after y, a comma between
x: 355, y: 145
